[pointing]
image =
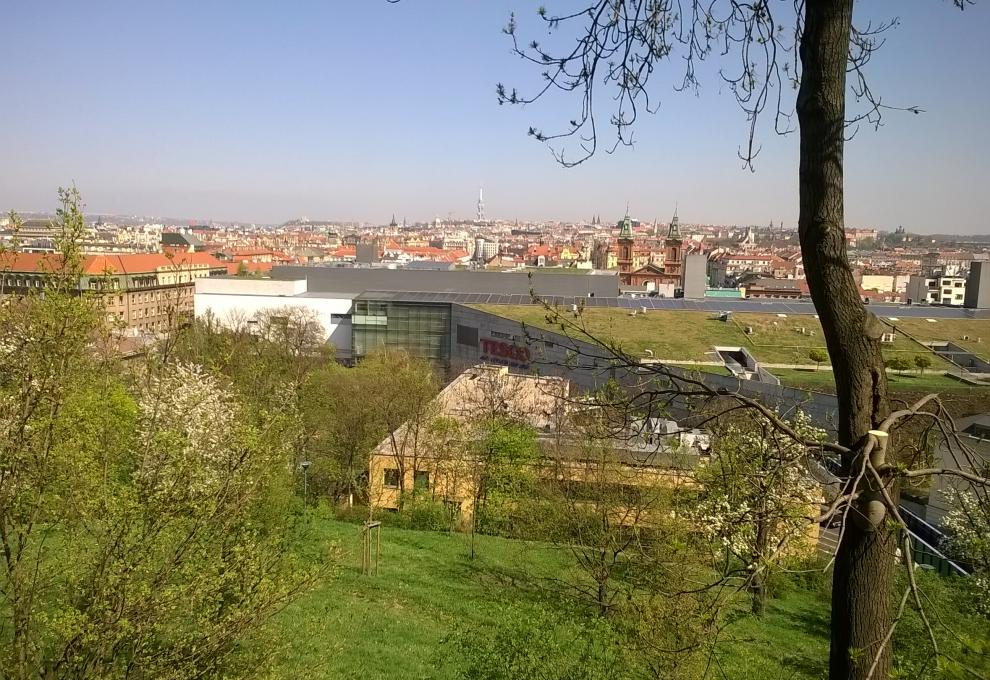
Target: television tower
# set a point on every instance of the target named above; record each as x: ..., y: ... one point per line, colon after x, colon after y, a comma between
x: 481, y: 205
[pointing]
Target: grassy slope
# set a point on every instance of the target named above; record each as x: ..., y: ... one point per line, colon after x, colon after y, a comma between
x: 392, y: 625
x: 822, y: 381
x: 952, y: 330
x: 680, y: 335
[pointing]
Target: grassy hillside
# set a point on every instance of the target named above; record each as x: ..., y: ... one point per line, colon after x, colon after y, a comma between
x: 690, y: 336
x: 952, y: 330
x: 393, y: 625
x: 822, y: 381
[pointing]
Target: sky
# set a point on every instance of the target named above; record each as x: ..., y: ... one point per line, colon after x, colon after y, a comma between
x: 263, y: 111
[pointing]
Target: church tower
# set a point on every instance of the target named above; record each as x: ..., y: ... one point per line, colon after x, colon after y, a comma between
x: 673, y: 247
x: 625, y: 258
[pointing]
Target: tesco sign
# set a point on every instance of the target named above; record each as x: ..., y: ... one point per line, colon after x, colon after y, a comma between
x: 501, y: 352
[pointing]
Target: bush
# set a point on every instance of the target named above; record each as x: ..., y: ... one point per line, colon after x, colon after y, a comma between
x: 426, y: 514
x: 810, y: 574
x: 529, y: 642
x: 962, y: 637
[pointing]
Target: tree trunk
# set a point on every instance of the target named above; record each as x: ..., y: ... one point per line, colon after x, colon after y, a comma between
x: 864, y: 563
x: 758, y: 591
x: 757, y: 584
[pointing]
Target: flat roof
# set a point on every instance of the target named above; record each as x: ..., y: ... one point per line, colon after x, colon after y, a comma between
x: 357, y: 280
x: 713, y: 306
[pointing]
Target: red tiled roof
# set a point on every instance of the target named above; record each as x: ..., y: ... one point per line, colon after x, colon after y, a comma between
x: 252, y: 267
x: 95, y: 265
x: 343, y: 251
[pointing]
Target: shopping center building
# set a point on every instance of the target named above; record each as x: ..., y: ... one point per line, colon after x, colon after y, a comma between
x: 426, y: 313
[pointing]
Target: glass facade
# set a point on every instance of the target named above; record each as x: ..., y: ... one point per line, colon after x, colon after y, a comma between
x: 423, y: 330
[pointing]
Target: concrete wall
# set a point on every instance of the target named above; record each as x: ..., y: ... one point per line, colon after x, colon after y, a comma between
x: 695, y: 276
x: 943, y: 486
x: 978, y: 286
x: 236, y: 301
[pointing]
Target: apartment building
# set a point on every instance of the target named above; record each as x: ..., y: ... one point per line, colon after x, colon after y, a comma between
x: 941, y: 290
x: 142, y: 293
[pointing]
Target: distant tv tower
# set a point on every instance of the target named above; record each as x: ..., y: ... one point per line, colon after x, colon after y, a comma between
x: 481, y: 205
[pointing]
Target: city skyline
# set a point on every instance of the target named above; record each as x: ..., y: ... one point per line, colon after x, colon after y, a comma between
x: 241, y: 117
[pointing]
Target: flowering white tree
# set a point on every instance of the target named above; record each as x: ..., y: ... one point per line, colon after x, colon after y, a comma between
x: 757, y: 497
x: 969, y: 527
x: 187, y: 421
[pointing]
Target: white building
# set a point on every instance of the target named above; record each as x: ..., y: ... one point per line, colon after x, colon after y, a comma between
x: 943, y: 290
x: 236, y: 301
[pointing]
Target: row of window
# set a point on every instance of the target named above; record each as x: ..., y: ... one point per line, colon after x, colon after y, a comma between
x: 26, y: 282
x: 421, y: 479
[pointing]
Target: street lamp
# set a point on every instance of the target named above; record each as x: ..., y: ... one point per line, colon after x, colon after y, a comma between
x: 305, y: 466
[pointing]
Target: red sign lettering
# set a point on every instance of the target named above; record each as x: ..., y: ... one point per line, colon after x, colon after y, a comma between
x: 505, y: 351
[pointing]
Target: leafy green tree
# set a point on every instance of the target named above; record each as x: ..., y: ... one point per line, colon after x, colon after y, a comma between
x: 819, y: 356
x: 505, y: 452
x: 625, y: 46
x: 145, y: 518
x: 399, y: 391
x: 922, y: 362
x: 899, y: 364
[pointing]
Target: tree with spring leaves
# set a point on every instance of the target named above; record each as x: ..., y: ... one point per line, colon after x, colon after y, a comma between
x: 815, y: 47
x: 818, y: 356
x: 922, y: 362
x: 968, y: 523
x: 757, y: 497
x: 144, y: 514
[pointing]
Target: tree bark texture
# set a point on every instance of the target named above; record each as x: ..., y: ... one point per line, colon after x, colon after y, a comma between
x: 861, y: 612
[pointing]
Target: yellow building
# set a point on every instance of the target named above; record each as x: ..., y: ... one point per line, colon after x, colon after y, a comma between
x: 435, y: 458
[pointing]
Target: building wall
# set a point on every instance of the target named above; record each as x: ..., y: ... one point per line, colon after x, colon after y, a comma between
x: 882, y: 282
x: 944, y: 486
x: 945, y: 290
x: 978, y: 286
x: 235, y: 301
x: 552, y: 353
x: 695, y: 276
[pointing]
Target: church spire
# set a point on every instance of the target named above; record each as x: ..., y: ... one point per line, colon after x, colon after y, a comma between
x: 674, y: 231
x: 626, y: 229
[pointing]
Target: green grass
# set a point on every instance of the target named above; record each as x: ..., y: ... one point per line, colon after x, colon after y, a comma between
x: 392, y: 625
x: 690, y: 336
x: 822, y: 381
x: 952, y: 330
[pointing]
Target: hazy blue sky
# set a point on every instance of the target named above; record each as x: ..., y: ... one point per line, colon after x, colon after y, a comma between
x: 262, y: 110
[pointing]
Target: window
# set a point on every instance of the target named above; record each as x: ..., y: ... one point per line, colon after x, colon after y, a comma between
x: 421, y: 481
x: 340, y: 318
x: 466, y: 335
x: 391, y: 480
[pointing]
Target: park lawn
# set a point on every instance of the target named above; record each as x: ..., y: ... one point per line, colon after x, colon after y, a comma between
x: 393, y: 625
x: 822, y: 381
x: 690, y: 336
x: 951, y: 330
